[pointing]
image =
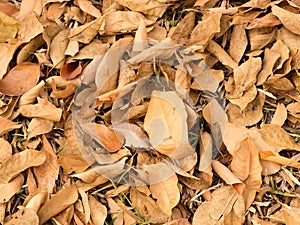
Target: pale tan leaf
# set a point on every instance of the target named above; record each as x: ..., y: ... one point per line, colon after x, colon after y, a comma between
x: 19, y: 162
x: 60, y: 201
x: 222, y: 56
x: 166, y: 114
x: 280, y: 115
x: 238, y: 42
x: 30, y: 27
x: 268, y: 20
x: 202, y: 39
x: 147, y: 207
x: 124, y: 21
x: 58, y: 47
x: 7, y: 125
x: 29, y: 6
x: 247, y: 97
x: 140, y: 39
x: 215, y: 211
x: 55, y: 11
x: 89, y: 8
x: 73, y: 48
x: 39, y: 126
x: 259, y: 38
x: 24, y: 216
x: 30, y: 96
x: 290, y: 20
x: 149, y: 7
x: 98, y: 211
x: 5, y: 150
x: 47, y: 173
x: 278, y: 137
x: 41, y: 111
x: 272, y: 157
x: 11, y: 188
x: 291, y: 215
x: 90, y: 51
x: 228, y: 177
x: 87, y: 32
x: 85, y: 205
x: 167, y: 194
x: 20, y: 79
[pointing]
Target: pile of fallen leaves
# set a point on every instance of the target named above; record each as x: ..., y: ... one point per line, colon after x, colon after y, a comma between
x: 87, y: 86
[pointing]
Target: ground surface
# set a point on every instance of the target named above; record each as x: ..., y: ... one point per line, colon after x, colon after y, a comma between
x: 188, y: 112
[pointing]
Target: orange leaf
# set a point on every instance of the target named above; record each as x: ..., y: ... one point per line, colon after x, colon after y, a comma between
x: 20, y: 79
x: 71, y: 70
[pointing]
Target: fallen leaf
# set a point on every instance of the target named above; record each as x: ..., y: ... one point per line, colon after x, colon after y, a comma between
x: 39, y: 126
x: 29, y: 6
x: 147, y: 207
x: 19, y: 162
x: 8, y: 8
x: 166, y: 114
x: 272, y: 157
x: 5, y: 150
x: 30, y: 96
x: 41, y: 111
x: 259, y: 38
x: 280, y: 115
x: 290, y: 20
x: 166, y: 193
x: 20, y: 79
x: 71, y: 70
x: 55, y: 11
x: 58, y: 47
x: 8, y: 26
x: 98, y: 211
x: 24, y: 216
x: 268, y: 20
x: 238, y: 42
x: 220, y: 207
x: 60, y: 201
x: 47, y: 173
x: 93, y: 49
x: 7, y: 125
x: 30, y: 27
x: 11, y: 188
x: 89, y: 8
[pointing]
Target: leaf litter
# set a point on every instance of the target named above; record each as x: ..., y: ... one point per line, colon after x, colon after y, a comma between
x: 244, y: 96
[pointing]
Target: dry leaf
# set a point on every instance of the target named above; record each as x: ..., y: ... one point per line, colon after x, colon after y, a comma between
x: 30, y: 27
x: 166, y: 114
x: 272, y: 157
x: 7, y: 51
x: 30, y: 96
x: 19, y: 162
x: 166, y: 193
x: 8, y: 27
x: 7, y: 125
x: 60, y: 201
x: 98, y: 211
x: 39, y: 126
x: 41, y: 111
x: 149, y: 7
x: 5, y: 149
x: 147, y: 207
x: 89, y: 8
x: 224, y: 202
x: 8, y: 8
x: 24, y: 216
x: 29, y: 6
x: 280, y: 115
x: 20, y: 79
x: 183, y: 29
x: 238, y: 42
x: 228, y: 177
x: 8, y: 190
x: 71, y: 70
x: 278, y: 137
x: 290, y: 20
x: 47, y: 173
x: 58, y: 47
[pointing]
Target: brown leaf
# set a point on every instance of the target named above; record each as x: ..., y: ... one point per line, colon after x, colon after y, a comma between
x: 39, y: 126
x: 259, y: 38
x: 166, y: 114
x: 268, y: 20
x: 5, y: 150
x: 290, y: 20
x: 58, y: 47
x: 280, y: 115
x: 8, y: 190
x: 30, y: 96
x: 20, y: 79
x: 8, y: 8
x: 272, y: 157
x: 60, y: 201
x: 47, y: 173
x: 238, y: 42
x: 29, y: 6
x: 123, y: 21
x: 200, y: 38
x: 149, y: 7
x: 89, y: 8
x: 7, y: 125
x: 98, y: 211
x: 215, y: 211
x: 228, y: 177
x: 24, y: 216
x: 90, y: 51
x: 30, y: 27
x: 183, y: 29
x: 147, y: 207
x: 9, y: 27
x: 167, y: 194
x: 19, y: 162
x: 41, y: 111
x: 71, y: 70
x: 7, y: 51
x: 278, y: 137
